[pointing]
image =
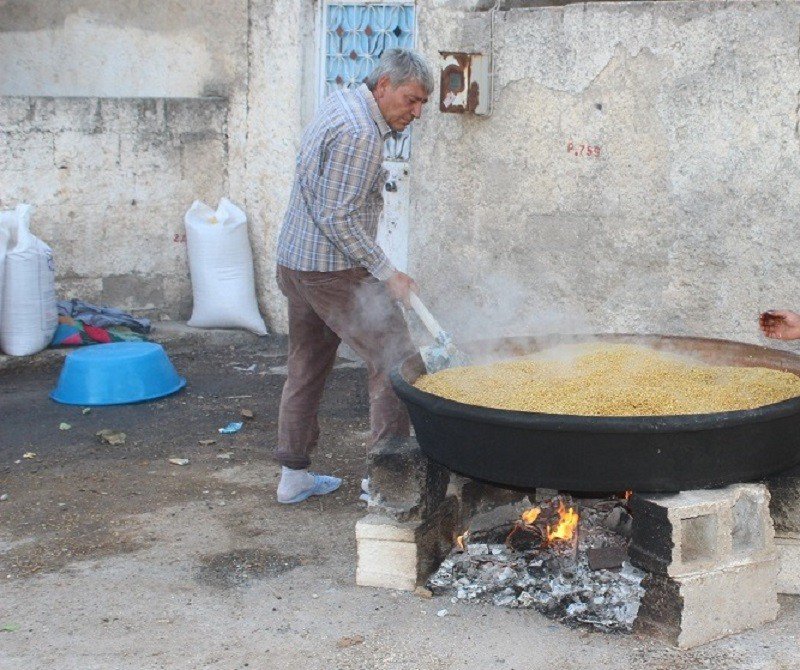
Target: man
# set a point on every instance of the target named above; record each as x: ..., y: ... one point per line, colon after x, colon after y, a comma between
x: 339, y: 283
x: 780, y: 324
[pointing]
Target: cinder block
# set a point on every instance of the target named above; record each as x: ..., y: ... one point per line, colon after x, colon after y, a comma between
x: 696, y: 531
x: 694, y: 609
x: 789, y: 564
x: 401, y: 555
x: 785, y: 502
x: 404, y: 483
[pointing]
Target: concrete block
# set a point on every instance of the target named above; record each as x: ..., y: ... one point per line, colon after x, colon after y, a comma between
x: 696, y: 531
x: 85, y: 151
x: 785, y: 502
x: 16, y: 113
x: 204, y: 157
x: 694, y: 609
x: 133, y: 291
x: 404, y: 483
x: 89, y: 289
x: 401, y: 555
x: 788, y: 549
x: 150, y: 116
x: 26, y: 151
x: 158, y: 153
x: 132, y: 115
x: 187, y: 115
x: 81, y: 115
x: 37, y: 187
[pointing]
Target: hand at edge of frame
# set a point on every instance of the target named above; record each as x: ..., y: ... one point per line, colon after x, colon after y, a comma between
x: 780, y: 324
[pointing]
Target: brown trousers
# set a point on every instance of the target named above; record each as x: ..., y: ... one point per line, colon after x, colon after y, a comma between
x: 326, y: 308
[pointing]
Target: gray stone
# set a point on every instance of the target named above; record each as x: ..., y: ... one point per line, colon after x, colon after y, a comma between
x: 476, y: 497
x: 404, y: 483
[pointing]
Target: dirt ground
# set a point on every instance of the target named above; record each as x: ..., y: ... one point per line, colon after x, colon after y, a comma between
x: 112, y: 557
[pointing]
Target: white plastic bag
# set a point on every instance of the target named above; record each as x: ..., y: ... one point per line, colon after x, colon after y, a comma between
x: 4, y: 235
x: 29, y: 312
x: 221, y: 266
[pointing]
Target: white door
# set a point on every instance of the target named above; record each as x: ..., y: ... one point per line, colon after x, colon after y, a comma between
x: 353, y: 37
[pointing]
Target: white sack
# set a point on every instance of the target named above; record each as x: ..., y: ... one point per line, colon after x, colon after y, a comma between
x: 221, y: 266
x: 4, y: 236
x: 29, y: 312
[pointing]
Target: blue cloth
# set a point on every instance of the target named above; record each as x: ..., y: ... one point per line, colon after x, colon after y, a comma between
x: 102, y: 317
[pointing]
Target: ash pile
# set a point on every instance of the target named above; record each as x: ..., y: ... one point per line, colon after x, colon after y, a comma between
x: 565, y: 558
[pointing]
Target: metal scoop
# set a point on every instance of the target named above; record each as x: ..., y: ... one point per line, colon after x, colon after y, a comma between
x: 444, y: 353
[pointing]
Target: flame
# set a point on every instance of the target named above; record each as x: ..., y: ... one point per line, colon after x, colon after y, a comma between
x: 461, y: 539
x: 529, y: 516
x: 628, y: 495
x: 567, y: 524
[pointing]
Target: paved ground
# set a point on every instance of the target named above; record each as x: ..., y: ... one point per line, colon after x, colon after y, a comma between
x: 111, y: 557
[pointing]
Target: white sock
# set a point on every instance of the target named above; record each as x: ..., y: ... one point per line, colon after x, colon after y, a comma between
x: 293, y: 482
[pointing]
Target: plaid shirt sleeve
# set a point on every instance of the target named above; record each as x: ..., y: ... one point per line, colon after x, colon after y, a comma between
x: 349, y: 173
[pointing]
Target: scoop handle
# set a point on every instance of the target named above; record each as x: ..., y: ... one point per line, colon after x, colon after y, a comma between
x: 424, y: 315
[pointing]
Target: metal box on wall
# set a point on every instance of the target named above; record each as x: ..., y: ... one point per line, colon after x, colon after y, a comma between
x: 464, y: 83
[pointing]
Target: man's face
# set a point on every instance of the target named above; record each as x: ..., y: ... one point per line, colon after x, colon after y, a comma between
x: 400, y: 105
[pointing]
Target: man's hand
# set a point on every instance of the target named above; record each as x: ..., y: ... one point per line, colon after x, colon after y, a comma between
x: 400, y: 285
x: 780, y: 324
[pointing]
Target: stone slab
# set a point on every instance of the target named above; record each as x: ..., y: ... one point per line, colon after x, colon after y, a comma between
x: 400, y: 555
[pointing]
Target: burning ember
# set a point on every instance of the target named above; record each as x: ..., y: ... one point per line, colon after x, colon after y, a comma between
x: 548, y: 561
x: 567, y: 524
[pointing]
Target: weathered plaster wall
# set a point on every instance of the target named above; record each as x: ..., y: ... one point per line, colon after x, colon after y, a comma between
x: 148, y: 48
x: 280, y: 101
x: 259, y: 54
x: 110, y: 180
x: 686, y: 221
x: 683, y: 223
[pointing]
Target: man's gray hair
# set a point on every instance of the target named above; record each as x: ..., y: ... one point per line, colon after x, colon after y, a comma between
x: 402, y: 66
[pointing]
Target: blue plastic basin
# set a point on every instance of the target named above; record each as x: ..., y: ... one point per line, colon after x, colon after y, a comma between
x: 116, y: 374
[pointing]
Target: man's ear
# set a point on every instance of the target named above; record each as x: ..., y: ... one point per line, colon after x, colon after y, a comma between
x: 381, y: 86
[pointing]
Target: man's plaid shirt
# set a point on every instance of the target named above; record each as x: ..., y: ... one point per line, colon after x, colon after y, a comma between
x: 336, y: 200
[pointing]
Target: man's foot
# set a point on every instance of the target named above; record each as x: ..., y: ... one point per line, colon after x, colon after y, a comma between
x: 298, y: 485
x: 364, y: 490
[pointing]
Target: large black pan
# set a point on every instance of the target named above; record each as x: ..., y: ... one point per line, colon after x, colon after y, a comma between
x: 583, y: 453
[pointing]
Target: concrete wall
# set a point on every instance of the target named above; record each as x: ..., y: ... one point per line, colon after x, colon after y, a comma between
x: 683, y: 223
x: 110, y: 181
x: 148, y: 48
x: 258, y: 54
x: 686, y: 221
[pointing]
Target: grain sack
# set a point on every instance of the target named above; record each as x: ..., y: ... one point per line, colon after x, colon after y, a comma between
x: 28, y: 315
x: 221, y: 267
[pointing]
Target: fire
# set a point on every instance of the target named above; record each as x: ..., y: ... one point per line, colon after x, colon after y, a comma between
x: 567, y: 524
x: 529, y: 516
x: 461, y: 539
x: 628, y: 495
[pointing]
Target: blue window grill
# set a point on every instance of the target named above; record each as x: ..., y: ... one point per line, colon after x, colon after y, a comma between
x: 356, y: 34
